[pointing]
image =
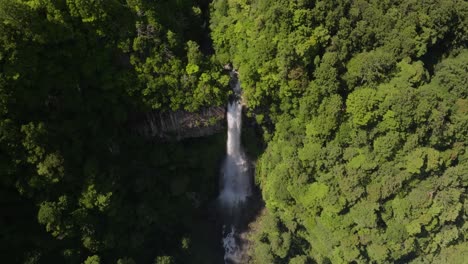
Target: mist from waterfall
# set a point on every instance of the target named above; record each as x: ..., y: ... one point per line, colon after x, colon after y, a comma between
x: 236, y: 185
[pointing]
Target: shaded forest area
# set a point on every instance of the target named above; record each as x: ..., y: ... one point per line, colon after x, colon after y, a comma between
x: 76, y: 185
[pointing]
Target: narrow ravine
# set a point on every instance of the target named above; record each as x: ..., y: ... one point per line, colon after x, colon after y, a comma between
x: 236, y: 182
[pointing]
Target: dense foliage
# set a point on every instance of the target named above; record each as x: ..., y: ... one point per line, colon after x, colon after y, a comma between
x: 363, y: 103
x: 368, y: 160
x: 72, y: 73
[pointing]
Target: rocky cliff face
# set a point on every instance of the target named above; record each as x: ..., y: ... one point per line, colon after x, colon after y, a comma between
x: 178, y: 125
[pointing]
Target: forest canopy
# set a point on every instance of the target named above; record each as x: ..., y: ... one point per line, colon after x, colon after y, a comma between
x: 73, y: 74
x: 362, y: 107
x: 366, y: 101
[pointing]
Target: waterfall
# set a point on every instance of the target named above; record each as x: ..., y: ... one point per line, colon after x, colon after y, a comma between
x: 235, y: 181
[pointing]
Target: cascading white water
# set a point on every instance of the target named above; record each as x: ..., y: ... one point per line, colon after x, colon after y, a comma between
x: 232, y: 251
x: 235, y: 179
x: 236, y: 183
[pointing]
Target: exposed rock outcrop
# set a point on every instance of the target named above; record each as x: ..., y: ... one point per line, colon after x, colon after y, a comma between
x: 178, y: 125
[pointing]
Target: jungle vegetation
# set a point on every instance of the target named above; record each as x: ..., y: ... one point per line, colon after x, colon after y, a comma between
x: 362, y: 103
x: 76, y: 185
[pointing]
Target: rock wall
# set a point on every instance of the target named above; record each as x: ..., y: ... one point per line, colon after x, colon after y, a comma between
x: 178, y: 125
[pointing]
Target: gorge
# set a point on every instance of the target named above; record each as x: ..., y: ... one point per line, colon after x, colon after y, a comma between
x: 125, y: 137
x: 236, y: 182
